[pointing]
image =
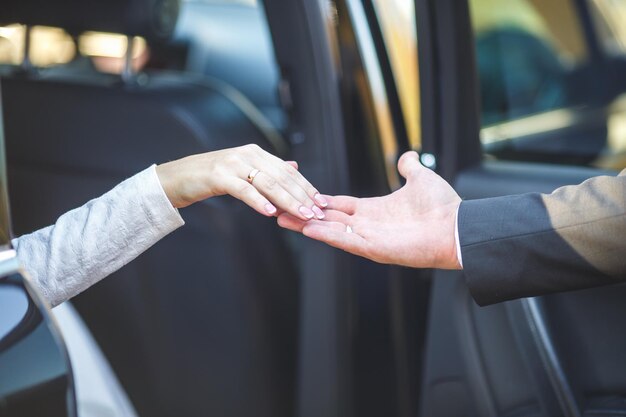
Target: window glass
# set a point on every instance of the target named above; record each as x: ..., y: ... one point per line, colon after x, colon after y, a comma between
x: 524, y: 49
x: 397, y: 21
x: 609, y: 17
x: 544, y: 97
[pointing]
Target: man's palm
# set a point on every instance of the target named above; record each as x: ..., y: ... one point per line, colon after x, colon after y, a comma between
x: 413, y: 226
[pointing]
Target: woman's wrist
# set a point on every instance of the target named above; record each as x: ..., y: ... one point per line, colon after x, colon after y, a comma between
x: 165, y: 173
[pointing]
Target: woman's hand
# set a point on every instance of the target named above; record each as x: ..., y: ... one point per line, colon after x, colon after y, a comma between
x: 276, y: 186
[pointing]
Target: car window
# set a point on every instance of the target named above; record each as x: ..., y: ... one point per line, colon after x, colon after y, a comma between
x: 397, y: 22
x: 523, y: 51
x: 609, y: 17
x: 547, y: 94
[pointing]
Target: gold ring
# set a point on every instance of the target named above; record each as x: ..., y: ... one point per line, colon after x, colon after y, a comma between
x: 252, y: 175
x: 348, y: 229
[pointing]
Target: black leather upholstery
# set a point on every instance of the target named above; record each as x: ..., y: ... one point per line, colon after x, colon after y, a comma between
x: 204, y: 323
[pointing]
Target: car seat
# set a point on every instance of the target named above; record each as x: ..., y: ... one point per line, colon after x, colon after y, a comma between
x: 205, y: 322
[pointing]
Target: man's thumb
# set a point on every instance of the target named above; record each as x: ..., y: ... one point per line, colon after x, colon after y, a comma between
x: 409, y: 164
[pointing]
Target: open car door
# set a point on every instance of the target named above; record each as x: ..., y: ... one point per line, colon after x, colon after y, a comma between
x: 523, y: 96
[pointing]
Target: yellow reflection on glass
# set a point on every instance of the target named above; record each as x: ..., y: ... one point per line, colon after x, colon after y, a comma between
x: 609, y: 17
x: 109, y: 45
x: 397, y: 21
x: 527, y: 126
x: 555, y: 22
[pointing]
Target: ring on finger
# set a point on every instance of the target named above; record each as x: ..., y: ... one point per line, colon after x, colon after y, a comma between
x: 252, y: 175
x: 348, y: 229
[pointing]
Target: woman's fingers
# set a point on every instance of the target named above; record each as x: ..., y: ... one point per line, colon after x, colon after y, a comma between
x: 311, y: 191
x: 280, y: 197
x: 292, y: 173
x: 281, y: 177
x: 245, y: 192
x: 287, y: 176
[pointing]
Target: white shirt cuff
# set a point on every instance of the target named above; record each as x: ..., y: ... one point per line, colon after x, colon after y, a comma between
x: 161, y: 213
x: 459, y: 255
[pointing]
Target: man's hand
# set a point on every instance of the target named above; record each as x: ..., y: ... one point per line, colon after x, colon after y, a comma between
x: 413, y: 226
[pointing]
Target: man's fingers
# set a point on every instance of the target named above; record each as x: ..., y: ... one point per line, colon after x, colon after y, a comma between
x: 342, y: 203
x: 289, y: 222
x: 335, y: 234
x: 409, y: 164
x: 293, y: 164
x: 338, y: 216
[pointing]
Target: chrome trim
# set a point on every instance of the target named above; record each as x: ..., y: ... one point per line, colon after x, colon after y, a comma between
x: 474, y: 363
x: 9, y: 263
x: 128, y: 72
x: 528, y: 125
x: 27, y: 64
x: 428, y: 160
x: 550, y: 358
x: 373, y: 71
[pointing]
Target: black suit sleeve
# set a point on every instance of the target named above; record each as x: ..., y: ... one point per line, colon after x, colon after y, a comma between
x: 535, y: 244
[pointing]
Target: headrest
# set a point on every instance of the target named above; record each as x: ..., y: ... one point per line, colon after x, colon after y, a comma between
x: 152, y: 19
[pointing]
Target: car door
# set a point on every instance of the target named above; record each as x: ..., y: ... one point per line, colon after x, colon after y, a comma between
x: 526, y: 97
x: 360, y: 323
x: 35, y: 373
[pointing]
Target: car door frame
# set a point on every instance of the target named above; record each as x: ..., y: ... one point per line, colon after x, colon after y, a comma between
x: 311, y: 84
x: 451, y: 122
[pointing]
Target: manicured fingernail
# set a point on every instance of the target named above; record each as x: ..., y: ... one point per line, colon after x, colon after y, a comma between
x: 270, y: 208
x: 318, y: 212
x: 321, y: 200
x: 306, y: 212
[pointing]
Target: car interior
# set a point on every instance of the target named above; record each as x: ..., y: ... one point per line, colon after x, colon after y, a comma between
x: 74, y: 135
x: 232, y: 316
